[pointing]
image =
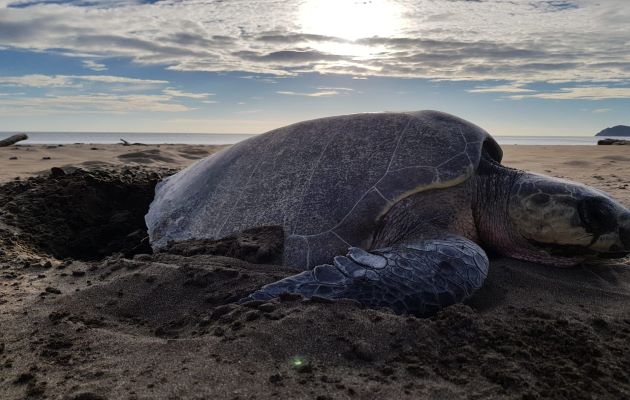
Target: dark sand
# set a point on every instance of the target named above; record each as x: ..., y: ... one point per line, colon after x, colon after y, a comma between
x: 86, y: 315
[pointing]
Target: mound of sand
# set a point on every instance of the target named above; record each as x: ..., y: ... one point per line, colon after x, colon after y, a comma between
x: 111, y: 321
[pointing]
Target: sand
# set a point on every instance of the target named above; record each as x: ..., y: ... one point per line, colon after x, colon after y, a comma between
x: 29, y: 160
x: 86, y: 315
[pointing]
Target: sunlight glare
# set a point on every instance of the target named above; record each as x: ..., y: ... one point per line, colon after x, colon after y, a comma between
x: 350, y: 19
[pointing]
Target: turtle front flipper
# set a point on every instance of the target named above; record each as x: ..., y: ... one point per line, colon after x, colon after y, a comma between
x: 418, y: 277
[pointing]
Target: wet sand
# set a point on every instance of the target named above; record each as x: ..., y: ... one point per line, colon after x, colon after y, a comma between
x: 86, y: 315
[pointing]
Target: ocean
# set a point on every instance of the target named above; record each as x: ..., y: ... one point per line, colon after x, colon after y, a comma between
x: 219, y: 138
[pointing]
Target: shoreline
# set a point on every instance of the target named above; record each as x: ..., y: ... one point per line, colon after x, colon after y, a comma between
x: 100, y: 138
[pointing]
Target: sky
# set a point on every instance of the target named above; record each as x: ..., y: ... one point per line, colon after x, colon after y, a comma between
x: 513, y: 67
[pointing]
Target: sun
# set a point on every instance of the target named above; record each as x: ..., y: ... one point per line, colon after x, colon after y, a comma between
x: 350, y: 19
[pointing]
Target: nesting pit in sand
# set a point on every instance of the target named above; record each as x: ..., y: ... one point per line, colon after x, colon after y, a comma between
x: 87, y: 312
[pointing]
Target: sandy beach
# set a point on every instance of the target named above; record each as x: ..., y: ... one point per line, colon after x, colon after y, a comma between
x: 87, y: 313
x: 28, y: 160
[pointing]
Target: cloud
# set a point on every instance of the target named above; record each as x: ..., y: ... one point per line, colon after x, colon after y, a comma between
x: 94, y: 66
x: 570, y: 41
x: 36, y: 80
x: 287, y: 56
x: 92, y: 103
x: 337, y: 89
x: 47, y: 81
x: 117, y: 79
x: 178, y: 93
x: 511, y: 88
x: 320, y: 93
x: 78, y: 3
x: 580, y: 93
x: 69, y: 94
x: 296, y: 38
x: 263, y: 79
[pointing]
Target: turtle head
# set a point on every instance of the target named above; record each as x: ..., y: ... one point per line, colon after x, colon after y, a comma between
x: 563, y: 223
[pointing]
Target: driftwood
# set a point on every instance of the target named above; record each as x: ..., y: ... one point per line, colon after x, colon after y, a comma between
x: 126, y: 143
x: 13, y: 140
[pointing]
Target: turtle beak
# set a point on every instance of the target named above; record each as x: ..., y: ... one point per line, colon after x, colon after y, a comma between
x: 608, y: 222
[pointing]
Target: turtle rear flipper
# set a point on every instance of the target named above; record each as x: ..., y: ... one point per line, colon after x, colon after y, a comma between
x: 418, y: 277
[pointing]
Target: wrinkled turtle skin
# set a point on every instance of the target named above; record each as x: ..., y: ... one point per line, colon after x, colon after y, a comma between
x: 410, y: 199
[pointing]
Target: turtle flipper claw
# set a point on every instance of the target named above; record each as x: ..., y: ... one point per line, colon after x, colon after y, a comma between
x: 418, y: 278
x: 366, y: 258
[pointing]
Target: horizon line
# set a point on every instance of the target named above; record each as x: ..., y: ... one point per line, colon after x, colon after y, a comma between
x: 238, y: 133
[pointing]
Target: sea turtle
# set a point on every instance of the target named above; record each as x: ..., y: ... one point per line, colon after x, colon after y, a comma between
x: 410, y: 198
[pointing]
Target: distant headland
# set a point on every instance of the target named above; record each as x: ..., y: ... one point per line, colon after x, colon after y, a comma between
x: 619, y: 130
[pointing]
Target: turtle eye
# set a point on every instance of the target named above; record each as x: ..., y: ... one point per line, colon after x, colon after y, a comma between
x: 597, y: 215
